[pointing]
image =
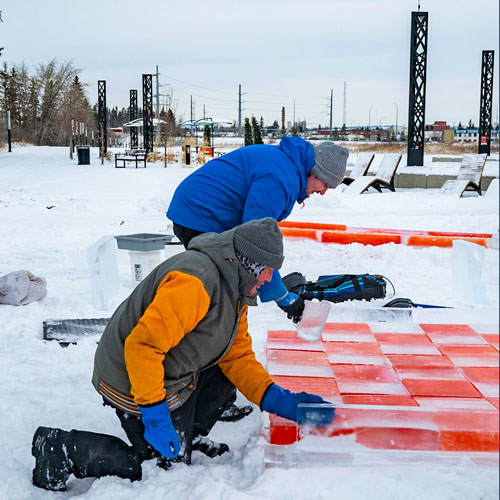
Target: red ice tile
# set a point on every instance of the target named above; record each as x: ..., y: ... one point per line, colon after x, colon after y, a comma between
x: 294, y: 345
x: 404, y: 338
x: 447, y: 403
x: 492, y: 339
x: 418, y: 360
x: 281, y: 430
x: 297, y: 363
x: 481, y: 374
x: 468, y: 431
x: 449, y: 329
x: 356, y: 386
x: 323, y: 386
x: 352, y: 348
x: 400, y: 348
x: 467, y: 350
x: 429, y: 372
x: 365, y: 372
x: 457, y: 339
x: 488, y: 390
x: 451, y: 388
x: 494, y: 401
x: 347, y: 327
x: 282, y: 334
x: 378, y: 399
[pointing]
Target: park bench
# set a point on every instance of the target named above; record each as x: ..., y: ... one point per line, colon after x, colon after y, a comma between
x: 132, y: 156
x: 360, y: 168
x: 384, y: 176
x: 469, y: 176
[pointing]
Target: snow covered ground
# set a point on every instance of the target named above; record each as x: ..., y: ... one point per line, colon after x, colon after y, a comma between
x: 52, y: 210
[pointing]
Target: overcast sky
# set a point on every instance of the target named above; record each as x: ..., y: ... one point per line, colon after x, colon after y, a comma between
x: 282, y: 52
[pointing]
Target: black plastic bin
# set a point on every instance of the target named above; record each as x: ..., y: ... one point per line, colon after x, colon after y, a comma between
x: 83, y: 153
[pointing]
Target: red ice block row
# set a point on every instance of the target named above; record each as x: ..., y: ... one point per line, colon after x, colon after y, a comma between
x: 450, y: 388
x: 440, y: 241
x: 457, y: 339
x: 380, y: 428
x: 282, y: 334
x: 352, y: 348
x: 345, y: 238
x: 297, y: 363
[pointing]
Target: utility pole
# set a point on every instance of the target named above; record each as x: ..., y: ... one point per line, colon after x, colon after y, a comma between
x: 345, y: 103
x: 203, y: 111
x: 9, y: 133
x: 239, y: 110
x: 157, y: 93
x: 331, y: 111
x: 191, y: 113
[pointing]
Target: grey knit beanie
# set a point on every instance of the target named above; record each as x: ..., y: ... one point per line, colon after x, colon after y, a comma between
x: 261, y: 241
x: 330, y: 163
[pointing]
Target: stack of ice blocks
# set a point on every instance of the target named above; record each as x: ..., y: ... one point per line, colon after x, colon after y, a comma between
x: 397, y: 385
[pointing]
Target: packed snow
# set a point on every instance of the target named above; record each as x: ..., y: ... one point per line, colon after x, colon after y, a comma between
x: 52, y: 210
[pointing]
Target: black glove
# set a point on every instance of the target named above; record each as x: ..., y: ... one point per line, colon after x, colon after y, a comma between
x: 293, y: 305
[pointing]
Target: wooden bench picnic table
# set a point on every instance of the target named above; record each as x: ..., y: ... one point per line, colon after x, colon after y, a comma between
x: 132, y: 156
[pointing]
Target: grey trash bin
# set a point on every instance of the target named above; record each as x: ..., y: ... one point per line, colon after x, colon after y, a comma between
x: 83, y: 153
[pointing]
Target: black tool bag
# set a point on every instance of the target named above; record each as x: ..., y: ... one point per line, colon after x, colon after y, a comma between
x: 337, y: 287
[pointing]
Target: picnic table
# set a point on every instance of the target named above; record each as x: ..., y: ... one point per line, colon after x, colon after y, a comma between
x: 131, y: 156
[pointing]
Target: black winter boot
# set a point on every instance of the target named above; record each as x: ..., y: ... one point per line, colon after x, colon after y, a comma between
x: 208, y: 447
x: 85, y: 454
x: 233, y: 413
x: 52, y: 466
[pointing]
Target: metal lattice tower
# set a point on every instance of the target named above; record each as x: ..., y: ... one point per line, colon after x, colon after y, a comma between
x: 134, y: 133
x: 418, y: 64
x: 102, y: 115
x: 147, y: 112
x: 486, y: 102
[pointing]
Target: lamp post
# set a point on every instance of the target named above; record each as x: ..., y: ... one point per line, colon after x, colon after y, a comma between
x: 396, y: 104
x: 369, y: 118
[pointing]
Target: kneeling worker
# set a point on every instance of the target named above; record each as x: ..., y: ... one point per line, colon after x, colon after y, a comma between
x: 169, y: 357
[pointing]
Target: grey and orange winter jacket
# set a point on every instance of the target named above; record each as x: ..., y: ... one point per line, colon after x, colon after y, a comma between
x: 188, y: 314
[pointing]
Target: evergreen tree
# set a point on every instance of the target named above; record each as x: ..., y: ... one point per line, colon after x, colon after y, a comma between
x: 248, y: 133
x: 207, y: 135
x: 343, y: 133
x: 256, y: 132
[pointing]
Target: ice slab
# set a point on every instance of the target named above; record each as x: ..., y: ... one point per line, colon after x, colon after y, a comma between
x: 396, y: 327
x: 350, y: 386
x: 298, y: 370
x: 467, y: 265
x: 348, y: 337
x: 408, y: 349
x: 103, y: 272
x: 313, y: 319
x: 454, y: 403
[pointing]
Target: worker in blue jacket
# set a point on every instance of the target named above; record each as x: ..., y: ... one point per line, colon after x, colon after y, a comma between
x: 255, y: 182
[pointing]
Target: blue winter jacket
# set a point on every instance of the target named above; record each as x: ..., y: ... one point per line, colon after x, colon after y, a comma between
x: 249, y: 183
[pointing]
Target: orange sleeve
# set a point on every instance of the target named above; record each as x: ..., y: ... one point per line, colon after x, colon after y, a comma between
x: 181, y: 301
x: 242, y: 369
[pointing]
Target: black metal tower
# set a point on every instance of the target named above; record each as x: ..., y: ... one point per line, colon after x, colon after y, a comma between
x: 416, y: 113
x: 103, y: 122
x: 486, y: 102
x: 134, y: 133
x: 147, y: 112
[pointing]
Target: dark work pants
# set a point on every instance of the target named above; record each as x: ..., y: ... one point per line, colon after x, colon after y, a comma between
x: 194, y: 418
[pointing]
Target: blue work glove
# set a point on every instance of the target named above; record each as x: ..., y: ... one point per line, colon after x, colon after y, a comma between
x: 284, y: 403
x: 293, y: 305
x: 159, y: 431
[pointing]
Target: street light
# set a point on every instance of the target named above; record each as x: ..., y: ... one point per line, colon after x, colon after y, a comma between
x: 369, y: 118
x: 380, y: 122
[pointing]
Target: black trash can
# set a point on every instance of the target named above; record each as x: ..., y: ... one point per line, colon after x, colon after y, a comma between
x: 83, y: 153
